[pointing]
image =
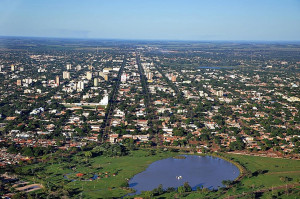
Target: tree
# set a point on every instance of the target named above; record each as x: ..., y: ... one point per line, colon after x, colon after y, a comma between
x: 148, y: 194
x: 160, y: 189
x: 181, y: 189
x: 12, y: 148
x: 88, y: 154
x: 187, y: 187
x: 179, y: 131
x: 227, y: 182
x: 27, y: 151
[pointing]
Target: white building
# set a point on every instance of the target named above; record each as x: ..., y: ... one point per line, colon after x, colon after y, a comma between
x: 104, y: 101
x: 66, y: 75
x: 123, y: 77
x: 219, y: 93
x: 149, y: 75
x: 80, y: 86
x: 78, y: 67
x: 89, y: 75
x: 12, y: 67
x: 95, y: 82
x: 28, y: 81
x: 106, y: 70
x: 69, y: 66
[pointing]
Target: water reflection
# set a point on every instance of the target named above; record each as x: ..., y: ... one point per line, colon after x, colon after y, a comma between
x: 198, y: 171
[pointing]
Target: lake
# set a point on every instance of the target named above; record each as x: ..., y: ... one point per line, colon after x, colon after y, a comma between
x: 198, y: 171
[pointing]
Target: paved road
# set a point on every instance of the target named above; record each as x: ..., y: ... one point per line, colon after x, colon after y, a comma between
x: 111, y: 102
x: 146, y: 93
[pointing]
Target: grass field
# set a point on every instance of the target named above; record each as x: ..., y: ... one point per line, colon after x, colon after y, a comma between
x: 126, y: 166
x: 114, y: 172
x: 277, y: 172
x: 105, y: 167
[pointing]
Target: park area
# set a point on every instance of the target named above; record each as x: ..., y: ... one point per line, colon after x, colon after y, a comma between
x: 90, y: 177
x: 102, y: 177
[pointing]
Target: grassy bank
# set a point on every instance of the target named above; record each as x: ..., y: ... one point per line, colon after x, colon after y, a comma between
x: 266, y: 172
x: 257, y: 173
x: 114, y: 173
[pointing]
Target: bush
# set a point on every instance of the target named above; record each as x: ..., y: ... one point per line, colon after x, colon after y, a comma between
x: 125, y: 184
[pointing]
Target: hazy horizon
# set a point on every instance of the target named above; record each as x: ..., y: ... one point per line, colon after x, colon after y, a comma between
x: 175, y: 20
x: 152, y: 40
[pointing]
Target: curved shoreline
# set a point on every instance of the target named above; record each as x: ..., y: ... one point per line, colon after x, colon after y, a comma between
x: 213, y: 155
x: 241, y: 168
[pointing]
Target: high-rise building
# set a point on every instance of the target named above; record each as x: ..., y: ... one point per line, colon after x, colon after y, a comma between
x: 57, y: 80
x: 80, y: 86
x: 95, y: 82
x: 149, y: 75
x: 19, y: 82
x: 69, y: 66
x: 66, y: 75
x: 89, y: 75
x: 12, y: 67
x: 123, y: 77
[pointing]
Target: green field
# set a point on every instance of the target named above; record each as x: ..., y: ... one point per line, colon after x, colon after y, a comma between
x: 277, y: 172
x: 51, y: 174
x: 115, y: 172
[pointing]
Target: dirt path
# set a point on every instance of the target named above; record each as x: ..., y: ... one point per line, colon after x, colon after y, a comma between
x: 29, y: 188
x: 281, y: 172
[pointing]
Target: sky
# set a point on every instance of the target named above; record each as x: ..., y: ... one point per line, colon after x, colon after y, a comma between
x: 198, y: 20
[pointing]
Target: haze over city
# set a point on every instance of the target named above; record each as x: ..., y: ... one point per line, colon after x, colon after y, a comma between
x: 270, y: 20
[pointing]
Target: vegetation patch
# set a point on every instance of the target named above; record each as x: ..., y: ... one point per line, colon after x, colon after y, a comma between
x: 179, y: 157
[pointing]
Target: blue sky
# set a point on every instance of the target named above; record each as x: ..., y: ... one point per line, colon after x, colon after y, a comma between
x: 269, y: 20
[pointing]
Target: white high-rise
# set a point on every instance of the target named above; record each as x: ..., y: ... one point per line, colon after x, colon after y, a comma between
x: 66, y: 75
x: 95, y: 82
x: 149, y: 75
x: 12, y: 67
x: 80, y: 86
x: 89, y: 75
x: 69, y: 66
x: 123, y: 78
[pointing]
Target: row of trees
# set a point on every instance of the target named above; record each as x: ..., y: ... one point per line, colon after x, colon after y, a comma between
x: 159, y: 190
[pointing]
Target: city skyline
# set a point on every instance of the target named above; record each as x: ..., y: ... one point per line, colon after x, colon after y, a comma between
x: 168, y: 20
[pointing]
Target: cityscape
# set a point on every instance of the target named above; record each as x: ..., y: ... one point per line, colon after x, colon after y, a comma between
x: 148, y: 118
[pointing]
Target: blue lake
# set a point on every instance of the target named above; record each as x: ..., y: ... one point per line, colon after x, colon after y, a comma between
x: 198, y: 171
